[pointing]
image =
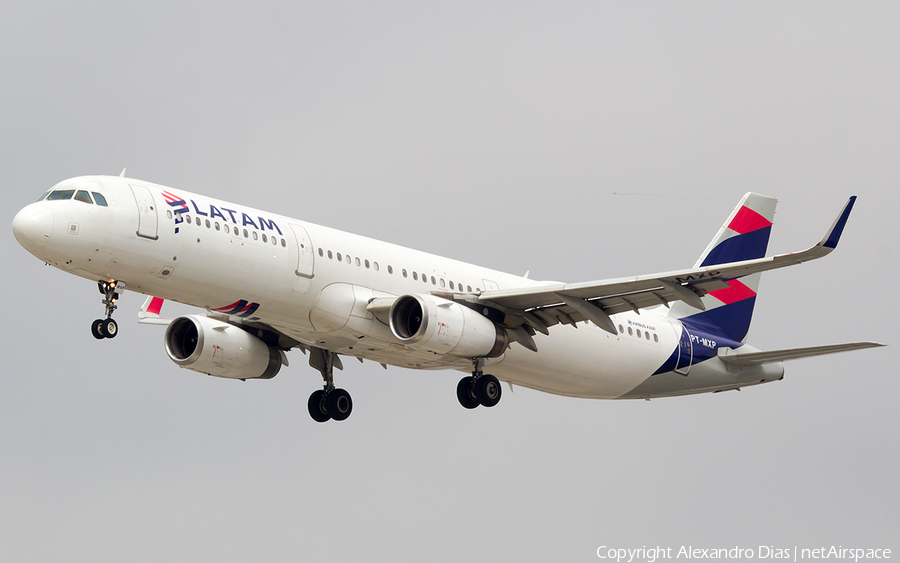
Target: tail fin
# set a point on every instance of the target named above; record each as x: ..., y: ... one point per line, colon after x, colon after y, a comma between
x: 744, y: 236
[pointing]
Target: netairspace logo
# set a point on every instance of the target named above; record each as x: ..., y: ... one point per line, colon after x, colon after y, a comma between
x: 652, y: 554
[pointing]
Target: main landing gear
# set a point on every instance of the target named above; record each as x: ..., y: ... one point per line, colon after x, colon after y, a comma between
x: 107, y: 328
x: 328, y: 403
x: 478, y: 388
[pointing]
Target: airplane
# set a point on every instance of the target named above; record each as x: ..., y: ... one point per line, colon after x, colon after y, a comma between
x: 269, y: 283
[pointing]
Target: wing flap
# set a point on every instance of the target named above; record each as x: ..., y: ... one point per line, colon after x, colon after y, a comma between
x: 758, y: 358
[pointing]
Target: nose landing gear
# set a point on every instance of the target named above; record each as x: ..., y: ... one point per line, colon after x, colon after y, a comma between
x: 478, y: 388
x: 107, y: 328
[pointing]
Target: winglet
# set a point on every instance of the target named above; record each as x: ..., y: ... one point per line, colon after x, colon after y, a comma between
x: 149, y: 313
x: 834, y: 233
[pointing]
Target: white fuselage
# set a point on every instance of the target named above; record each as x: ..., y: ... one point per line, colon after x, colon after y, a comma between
x: 313, y: 284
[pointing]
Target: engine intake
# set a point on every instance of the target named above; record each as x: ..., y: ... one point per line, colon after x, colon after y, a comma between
x: 438, y: 325
x: 215, y: 348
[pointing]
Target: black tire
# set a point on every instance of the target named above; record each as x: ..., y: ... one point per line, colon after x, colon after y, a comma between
x: 318, y: 410
x: 97, y: 329
x: 110, y: 328
x: 488, y: 390
x: 340, y: 405
x: 465, y: 392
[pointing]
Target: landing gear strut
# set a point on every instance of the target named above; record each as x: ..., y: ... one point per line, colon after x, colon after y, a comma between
x: 107, y: 328
x: 330, y: 402
x: 478, y: 388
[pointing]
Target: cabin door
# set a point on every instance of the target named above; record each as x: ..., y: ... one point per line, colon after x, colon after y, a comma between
x: 306, y: 259
x: 685, y: 353
x: 148, y: 222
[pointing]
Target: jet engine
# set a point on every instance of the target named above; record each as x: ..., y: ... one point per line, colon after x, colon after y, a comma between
x: 216, y: 348
x: 426, y: 322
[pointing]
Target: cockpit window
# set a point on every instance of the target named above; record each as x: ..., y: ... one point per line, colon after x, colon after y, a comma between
x: 101, y: 201
x: 60, y: 194
x: 83, y: 197
x: 43, y: 196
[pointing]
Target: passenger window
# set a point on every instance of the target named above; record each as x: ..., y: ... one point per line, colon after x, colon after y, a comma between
x: 647, y: 335
x: 375, y: 265
x: 275, y: 241
x: 169, y: 213
x: 187, y: 218
x: 83, y: 197
x: 330, y: 255
x: 208, y: 224
x: 197, y: 221
x: 265, y: 238
x: 340, y: 259
x: 246, y: 234
x: 655, y: 338
x: 348, y: 258
x: 469, y: 288
x: 367, y: 263
x: 638, y: 333
x: 101, y: 201
x: 320, y: 250
x: 442, y: 282
x: 236, y: 231
x: 44, y: 195
x: 255, y: 236
x: 284, y: 243
x: 621, y: 330
x: 403, y: 271
x: 433, y: 281
x: 60, y: 194
x: 357, y: 261
x: 415, y: 276
x: 451, y: 284
x: 630, y: 332
x: 390, y: 269
x: 217, y: 226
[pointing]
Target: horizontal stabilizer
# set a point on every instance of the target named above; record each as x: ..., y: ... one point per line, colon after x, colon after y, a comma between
x: 757, y: 358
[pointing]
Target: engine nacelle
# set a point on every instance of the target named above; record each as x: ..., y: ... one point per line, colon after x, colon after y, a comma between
x: 215, y: 348
x: 435, y: 324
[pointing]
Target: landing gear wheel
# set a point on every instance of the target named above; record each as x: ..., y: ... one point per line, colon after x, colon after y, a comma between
x: 318, y: 410
x: 339, y: 404
x: 488, y: 390
x: 107, y: 328
x: 110, y: 328
x: 465, y: 392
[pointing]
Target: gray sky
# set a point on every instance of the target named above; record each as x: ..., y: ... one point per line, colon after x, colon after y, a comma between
x: 506, y: 135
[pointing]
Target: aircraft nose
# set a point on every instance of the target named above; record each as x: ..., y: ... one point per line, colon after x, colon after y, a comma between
x: 32, y: 226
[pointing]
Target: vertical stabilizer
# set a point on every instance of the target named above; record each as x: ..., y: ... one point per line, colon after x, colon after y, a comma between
x: 743, y: 236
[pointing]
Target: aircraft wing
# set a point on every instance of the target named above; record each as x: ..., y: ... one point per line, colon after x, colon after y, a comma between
x: 595, y: 301
x: 758, y: 358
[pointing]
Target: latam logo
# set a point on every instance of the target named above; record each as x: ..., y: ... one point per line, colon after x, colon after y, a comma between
x: 736, y: 291
x: 180, y: 206
x: 746, y: 221
x: 749, y: 241
x: 240, y: 308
